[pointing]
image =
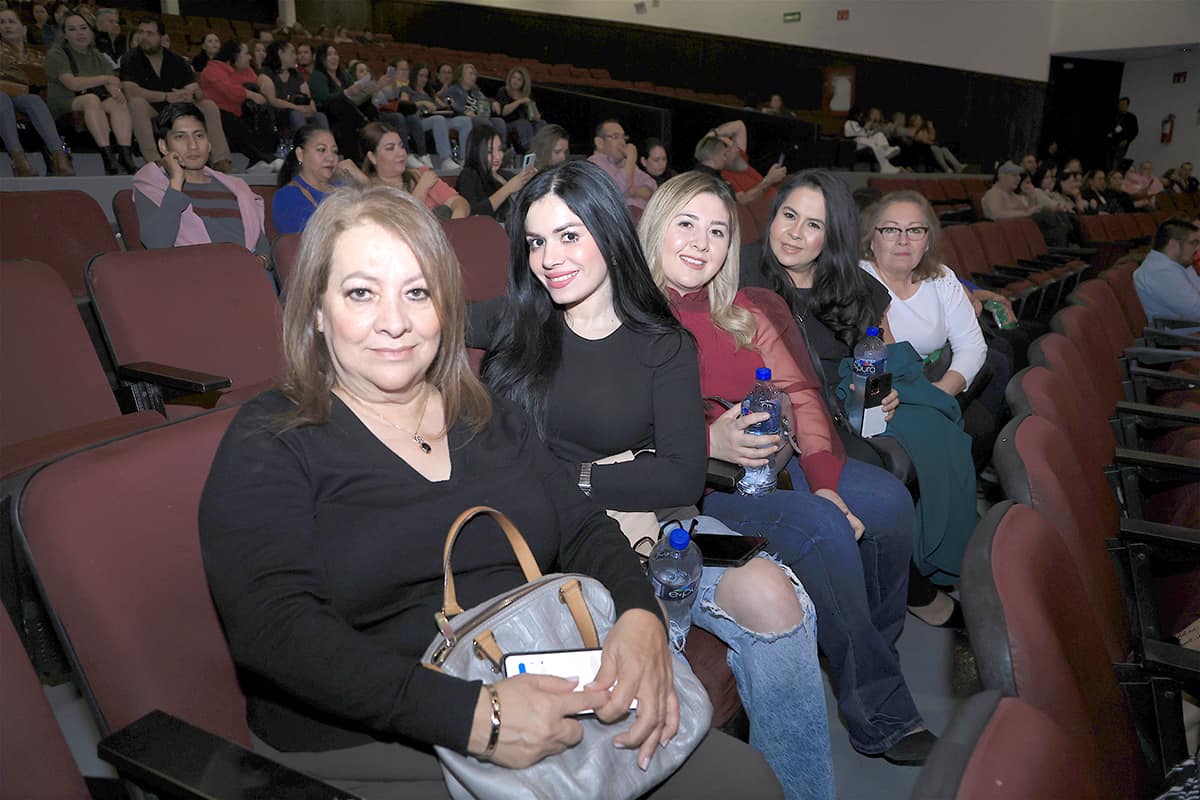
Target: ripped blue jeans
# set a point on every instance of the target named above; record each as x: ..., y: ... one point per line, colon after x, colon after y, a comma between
x: 779, y: 681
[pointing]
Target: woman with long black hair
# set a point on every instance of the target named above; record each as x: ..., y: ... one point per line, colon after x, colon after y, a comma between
x: 346, y: 103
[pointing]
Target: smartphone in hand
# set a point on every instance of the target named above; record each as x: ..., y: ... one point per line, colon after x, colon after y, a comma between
x: 583, y: 664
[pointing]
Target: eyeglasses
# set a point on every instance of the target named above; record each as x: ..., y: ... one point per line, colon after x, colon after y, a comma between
x: 891, y: 233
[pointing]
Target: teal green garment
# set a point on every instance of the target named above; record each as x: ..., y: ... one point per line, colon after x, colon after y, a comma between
x: 929, y: 425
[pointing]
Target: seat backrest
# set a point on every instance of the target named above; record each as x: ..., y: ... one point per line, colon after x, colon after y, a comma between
x: 53, y: 380
x: 1112, y: 227
x: 35, y: 761
x: 267, y: 193
x: 1081, y: 325
x: 127, y: 220
x: 1053, y: 396
x: 1075, y: 494
x: 1032, y: 235
x: 1120, y: 279
x: 482, y: 249
x: 1029, y: 643
x: 991, y: 239
x: 1098, y: 296
x: 208, y: 307
x: 970, y: 252
x: 1145, y: 223
x: 114, y: 539
x: 1018, y: 246
x: 28, y: 221
x: 1092, y: 229
x: 955, y: 191
x: 1002, y: 748
x: 952, y: 259
x: 283, y: 252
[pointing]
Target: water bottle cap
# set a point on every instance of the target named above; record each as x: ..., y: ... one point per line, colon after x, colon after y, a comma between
x: 762, y: 374
x: 872, y: 331
x: 679, y: 539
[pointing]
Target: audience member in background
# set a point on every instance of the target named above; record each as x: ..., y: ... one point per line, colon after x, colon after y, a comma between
x: 846, y: 529
x: 15, y: 96
x: 304, y: 60
x: 748, y: 183
x: 1183, y: 176
x: 286, y: 90
x: 466, y: 98
x: 1094, y: 195
x: 1141, y: 185
x: 265, y: 36
x: 388, y: 162
x: 180, y: 201
x: 1170, y: 181
x: 656, y: 161
x: 1029, y: 163
x: 225, y: 81
x: 209, y: 47
x: 81, y: 78
x: 711, y: 154
x: 1116, y: 195
x: 901, y: 248
x: 942, y: 155
x: 346, y: 103
x: 810, y: 259
x: 258, y: 55
x: 875, y: 141
x: 341, y: 35
x: 898, y: 131
x: 551, y: 147
x: 1071, y: 187
x: 617, y: 156
x: 312, y: 170
x: 1071, y: 165
x: 776, y: 107
x: 395, y: 105
x: 1002, y: 200
x: 518, y: 109
x: 436, y: 116
x: 109, y: 39
x: 1166, y: 284
x: 614, y: 372
x: 443, y: 79
x: 43, y: 31
x: 1053, y: 212
x: 159, y: 77
x: 341, y: 695
x: 480, y: 182
x: 1121, y: 133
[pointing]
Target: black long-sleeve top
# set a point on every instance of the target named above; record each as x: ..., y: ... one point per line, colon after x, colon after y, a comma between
x: 627, y: 391
x: 478, y: 189
x: 323, y: 553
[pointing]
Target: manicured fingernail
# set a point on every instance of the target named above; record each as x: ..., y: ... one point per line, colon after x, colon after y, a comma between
x: 644, y: 763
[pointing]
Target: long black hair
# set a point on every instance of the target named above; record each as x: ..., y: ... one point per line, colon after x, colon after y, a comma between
x: 477, y: 155
x: 840, y: 290
x: 291, y: 164
x: 527, y: 348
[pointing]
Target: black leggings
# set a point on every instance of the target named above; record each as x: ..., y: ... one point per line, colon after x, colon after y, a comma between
x: 345, y: 121
x: 243, y: 140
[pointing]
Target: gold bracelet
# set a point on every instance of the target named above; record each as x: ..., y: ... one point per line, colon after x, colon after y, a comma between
x: 494, y: 735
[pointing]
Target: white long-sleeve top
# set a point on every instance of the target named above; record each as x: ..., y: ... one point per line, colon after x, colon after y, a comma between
x: 940, y: 311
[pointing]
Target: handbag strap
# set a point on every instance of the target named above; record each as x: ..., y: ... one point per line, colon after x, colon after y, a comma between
x: 571, y: 593
x: 304, y: 191
x: 516, y: 541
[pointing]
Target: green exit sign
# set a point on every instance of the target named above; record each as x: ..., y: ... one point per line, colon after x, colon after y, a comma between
x: 791, y: 16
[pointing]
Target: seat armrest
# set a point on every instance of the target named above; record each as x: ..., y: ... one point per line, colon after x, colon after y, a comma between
x: 1159, y: 533
x: 723, y: 475
x: 1174, y: 322
x: 1077, y: 252
x: 1182, y: 380
x: 1014, y: 269
x: 1149, y: 411
x: 174, y: 759
x: 175, y: 379
x: 991, y: 280
x: 1181, y: 465
x: 1157, y: 337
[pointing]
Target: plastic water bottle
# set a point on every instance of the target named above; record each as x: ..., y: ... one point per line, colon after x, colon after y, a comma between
x: 761, y: 480
x: 675, y: 566
x: 870, y: 359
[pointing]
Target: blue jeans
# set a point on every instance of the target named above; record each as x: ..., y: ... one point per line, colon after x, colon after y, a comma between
x: 34, y: 107
x: 779, y: 680
x: 859, y: 588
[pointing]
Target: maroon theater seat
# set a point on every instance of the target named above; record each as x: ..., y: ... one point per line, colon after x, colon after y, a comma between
x: 283, y: 252
x: 208, y: 308
x: 127, y: 219
x: 1002, y: 748
x: 1119, y: 277
x: 56, y: 397
x: 62, y: 228
x: 35, y: 762
x: 482, y: 249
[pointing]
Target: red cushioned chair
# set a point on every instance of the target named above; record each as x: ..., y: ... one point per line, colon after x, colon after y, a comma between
x: 267, y: 193
x: 35, y: 762
x: 283, y: 253
x: 57, y: 397
x: 1119, y: 277
x: 112, y: 534
x: 975, y: 265
x: 996, y: 250
x: 1002, y: 748
x: 1030, y: 644
x: 482, y: 249
x: 1099, y: 296
x: 127, y: 219
x: 29, y: 220
x: 209, y: 309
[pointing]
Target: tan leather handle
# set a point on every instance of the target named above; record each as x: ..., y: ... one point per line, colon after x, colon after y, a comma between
x: 516, y: 541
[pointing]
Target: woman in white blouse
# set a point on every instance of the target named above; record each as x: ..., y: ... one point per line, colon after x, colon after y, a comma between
x: 929, y: 306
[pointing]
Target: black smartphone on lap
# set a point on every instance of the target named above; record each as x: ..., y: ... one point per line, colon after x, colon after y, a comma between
x: 727, y: 550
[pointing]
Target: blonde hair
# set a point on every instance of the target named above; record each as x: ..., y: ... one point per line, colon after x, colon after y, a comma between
x: 310, y: 378
x: 666, y: 202
x: 930, y: 265
x: 525, y: 87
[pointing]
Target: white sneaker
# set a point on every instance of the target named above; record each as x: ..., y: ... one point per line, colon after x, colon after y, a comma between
x: 892, y: 152
x: 425, y: 161
x: 450, y: 167
x: 276, y: 165
x: 260, y: 166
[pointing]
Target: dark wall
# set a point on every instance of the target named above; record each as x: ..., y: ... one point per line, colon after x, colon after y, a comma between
x: 988, y: 116
x: 1080, y: 107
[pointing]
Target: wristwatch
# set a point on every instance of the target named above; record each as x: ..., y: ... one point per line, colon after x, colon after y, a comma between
x: 585, y: 478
